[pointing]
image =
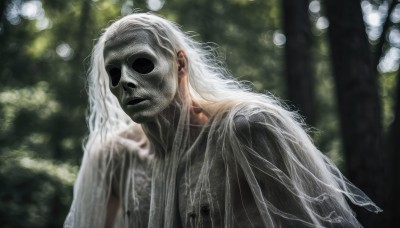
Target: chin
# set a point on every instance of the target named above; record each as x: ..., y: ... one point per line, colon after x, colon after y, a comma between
x: 140, y: 119
x: 143, y: 117
x: 146, y: 115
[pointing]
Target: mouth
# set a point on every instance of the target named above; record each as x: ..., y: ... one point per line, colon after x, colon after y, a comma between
x: 135, y: 101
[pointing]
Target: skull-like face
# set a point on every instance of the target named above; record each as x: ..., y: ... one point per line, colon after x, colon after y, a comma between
x: 140, y: 75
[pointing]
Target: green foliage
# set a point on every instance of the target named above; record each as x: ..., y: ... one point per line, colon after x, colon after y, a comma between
x: 34, y: 193
x: 243, y: 30
x: 388, y: 85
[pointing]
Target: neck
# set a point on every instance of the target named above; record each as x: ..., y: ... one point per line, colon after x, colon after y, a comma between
x: 172, y: 125
x: 162, y: 130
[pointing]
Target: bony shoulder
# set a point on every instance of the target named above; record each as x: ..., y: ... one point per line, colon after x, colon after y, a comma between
x: 250, y: 117
x: 130, y: 141
x: 133, y: 140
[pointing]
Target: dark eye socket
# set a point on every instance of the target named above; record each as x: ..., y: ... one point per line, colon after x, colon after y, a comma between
x: 115, y: 75
x: 143, y: 65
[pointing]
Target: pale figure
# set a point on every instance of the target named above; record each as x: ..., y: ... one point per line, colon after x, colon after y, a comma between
x: 175, y: 141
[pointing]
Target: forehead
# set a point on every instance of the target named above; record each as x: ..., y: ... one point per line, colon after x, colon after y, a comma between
x: 128, y: 37
x: 125, y: 44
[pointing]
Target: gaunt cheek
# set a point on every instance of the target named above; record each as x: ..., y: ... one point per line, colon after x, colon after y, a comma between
x: 168, y: 82
x: 115, y: 92
x: 167, y: 88
x: 162, y: 84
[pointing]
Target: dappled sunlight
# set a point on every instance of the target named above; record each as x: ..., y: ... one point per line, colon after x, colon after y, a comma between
x: 374, y: 17
x: 64, y: 173
x: 317, y: 17
x: 155, y: 5
x: 64, y: 51
x: 30, y: 10
x: 34, y: 190
x: 279, y: 38
x: 322, y: 23
x: 390, y: 62
x: 37, y: 98
x: 314, y: 6
x: 395, y: 16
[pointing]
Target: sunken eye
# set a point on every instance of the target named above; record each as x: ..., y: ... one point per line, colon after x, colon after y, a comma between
x: 143, y: 66
x: 115, y: 75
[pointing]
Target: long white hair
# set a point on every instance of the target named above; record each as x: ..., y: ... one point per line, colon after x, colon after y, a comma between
x: 116, y: 146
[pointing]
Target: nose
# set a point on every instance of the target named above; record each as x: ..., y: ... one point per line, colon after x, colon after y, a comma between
x: 127, y: 81
x: 128, y: 85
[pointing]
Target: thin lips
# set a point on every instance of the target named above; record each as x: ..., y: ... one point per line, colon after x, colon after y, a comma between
x: 134, y: 101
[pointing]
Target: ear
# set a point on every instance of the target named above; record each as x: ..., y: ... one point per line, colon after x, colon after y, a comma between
x: 182, y: 63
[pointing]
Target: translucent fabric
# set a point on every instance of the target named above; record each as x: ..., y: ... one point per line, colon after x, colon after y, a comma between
x: 218, y: 156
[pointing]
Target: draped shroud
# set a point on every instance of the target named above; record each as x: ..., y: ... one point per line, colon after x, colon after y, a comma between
x: 260, y: 158
x: 250, y: 163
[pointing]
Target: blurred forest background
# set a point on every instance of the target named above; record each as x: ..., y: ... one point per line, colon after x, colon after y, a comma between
x: 335, y: 61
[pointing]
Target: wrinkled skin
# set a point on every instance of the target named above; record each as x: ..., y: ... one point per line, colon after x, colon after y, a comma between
x: 140, y: 74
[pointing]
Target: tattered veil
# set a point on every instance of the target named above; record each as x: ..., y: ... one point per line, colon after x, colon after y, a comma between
x: 252, y: 135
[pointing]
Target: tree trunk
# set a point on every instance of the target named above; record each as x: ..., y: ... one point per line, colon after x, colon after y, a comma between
x: 299, y: 73
x: 84, y: 22
x: 393, y: 147
x: 140, y: 5
x: 358, y: 102
x: 3, y: 6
